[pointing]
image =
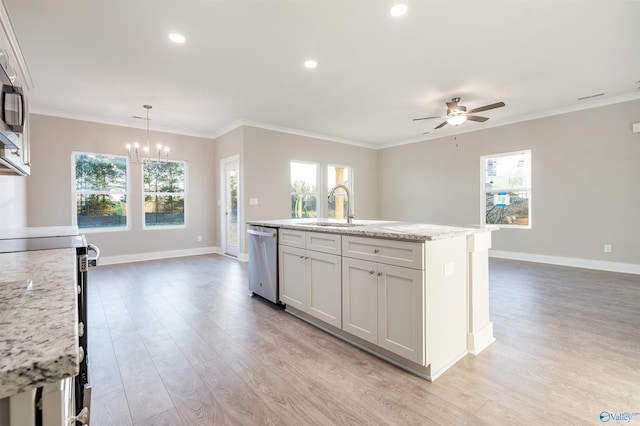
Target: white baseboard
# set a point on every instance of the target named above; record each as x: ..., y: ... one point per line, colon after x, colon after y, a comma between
x: 478, y: 341
x: 627, y: 268
x: 140, y: 257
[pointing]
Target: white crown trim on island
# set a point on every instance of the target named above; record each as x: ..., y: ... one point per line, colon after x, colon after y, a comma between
x: 626, y: 268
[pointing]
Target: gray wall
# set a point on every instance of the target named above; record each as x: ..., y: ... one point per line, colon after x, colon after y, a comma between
x: 267, y: 167
x: 49, y: 200
x: 227, y: 145
x: 265, y: 158
x: 13, y: 201
x: 586, y: 169
x: 585, y: 182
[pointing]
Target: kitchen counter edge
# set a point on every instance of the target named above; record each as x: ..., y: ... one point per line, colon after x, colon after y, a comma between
x: 38, y: 325
x: 406, y: 231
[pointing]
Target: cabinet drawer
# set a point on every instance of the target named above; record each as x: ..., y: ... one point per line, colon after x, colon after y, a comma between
x: 291, y: 237
x: 326, y: 243
x: 399, y: 253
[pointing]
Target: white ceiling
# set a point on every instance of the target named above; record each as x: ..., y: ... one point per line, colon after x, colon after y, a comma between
x: 102, y: 60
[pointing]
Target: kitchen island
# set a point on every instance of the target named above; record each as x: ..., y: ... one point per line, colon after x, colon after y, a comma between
x: 413, y: 294
x: 38, y: 322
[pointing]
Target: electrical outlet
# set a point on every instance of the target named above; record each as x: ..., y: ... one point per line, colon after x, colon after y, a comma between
x: 607, y: 248
x: 448, y: 269
x: 199, y: 238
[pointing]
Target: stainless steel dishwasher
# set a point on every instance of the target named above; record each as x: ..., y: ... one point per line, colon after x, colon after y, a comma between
x: 263, y: 262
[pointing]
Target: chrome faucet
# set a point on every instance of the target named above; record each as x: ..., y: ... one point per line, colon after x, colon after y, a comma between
x: 349, y: 215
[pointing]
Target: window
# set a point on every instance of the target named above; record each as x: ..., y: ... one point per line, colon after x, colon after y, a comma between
x: 304, y: 190
x: 100, y: 191
x: 337, y: 175
x: 164, y: 193
x: 506, y: 192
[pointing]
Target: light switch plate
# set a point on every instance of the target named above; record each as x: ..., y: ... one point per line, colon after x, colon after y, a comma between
x: 253, y: 201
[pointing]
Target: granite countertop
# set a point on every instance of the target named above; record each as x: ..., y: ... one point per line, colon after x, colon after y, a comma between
x: 38, y: 319
x: 377, y: 228
x: 35, y: 232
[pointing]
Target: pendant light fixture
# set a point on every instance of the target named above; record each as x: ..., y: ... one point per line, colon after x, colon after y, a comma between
x: 163, y: 152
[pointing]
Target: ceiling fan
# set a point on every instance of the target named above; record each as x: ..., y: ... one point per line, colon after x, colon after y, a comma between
x: 458, y: 114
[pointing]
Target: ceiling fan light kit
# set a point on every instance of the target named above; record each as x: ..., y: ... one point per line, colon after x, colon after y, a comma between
x: 458, y: 114
x: 456, y: 120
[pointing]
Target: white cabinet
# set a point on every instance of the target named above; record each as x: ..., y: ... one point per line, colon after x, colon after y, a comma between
x: 384, y: 304
x: 403, y: 300
x: 292, y: 265
x: 310, y: 274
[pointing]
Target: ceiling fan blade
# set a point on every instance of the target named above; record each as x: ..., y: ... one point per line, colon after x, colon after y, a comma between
x: 477, y: 118
x: 425, y: 118
x: 440, y: 125
x: 487, y: 107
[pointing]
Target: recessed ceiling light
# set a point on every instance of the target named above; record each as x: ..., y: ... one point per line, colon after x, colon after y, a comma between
x: 177, y: 38
x: 310, y: 64
x: 398, y: 10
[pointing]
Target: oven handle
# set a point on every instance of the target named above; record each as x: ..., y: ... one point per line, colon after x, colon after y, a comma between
x: 93, y: 261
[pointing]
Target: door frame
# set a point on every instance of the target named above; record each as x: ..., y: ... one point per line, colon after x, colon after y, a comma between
x: 242, y: 255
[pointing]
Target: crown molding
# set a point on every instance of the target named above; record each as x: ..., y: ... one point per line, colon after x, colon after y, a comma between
x: 519, y: 119
x: 256, y: 124
x: 297, y: 132
x: 19, y: 62
x: 101, y: 120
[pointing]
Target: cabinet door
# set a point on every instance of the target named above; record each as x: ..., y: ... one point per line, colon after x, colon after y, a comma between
x: 360, y: 299
x: 324, y: 290
x: 401, y: 302
x: 292, y: 277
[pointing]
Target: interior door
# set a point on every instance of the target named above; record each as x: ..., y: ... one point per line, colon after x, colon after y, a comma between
x: 231, y: 211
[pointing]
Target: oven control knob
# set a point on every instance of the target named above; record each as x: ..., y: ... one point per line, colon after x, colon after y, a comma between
x: 79, y: 290
x: 81, y: 354
x: 80, y: 329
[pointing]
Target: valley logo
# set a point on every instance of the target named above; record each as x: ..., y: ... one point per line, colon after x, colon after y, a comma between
x: 606, y: 416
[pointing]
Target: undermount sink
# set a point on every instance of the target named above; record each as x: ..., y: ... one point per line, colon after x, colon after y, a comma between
x: 336, y: 224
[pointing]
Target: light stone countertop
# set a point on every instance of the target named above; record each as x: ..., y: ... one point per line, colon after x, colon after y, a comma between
x: 38, y: 319
x: 377, y: 228
x: 36, y: 232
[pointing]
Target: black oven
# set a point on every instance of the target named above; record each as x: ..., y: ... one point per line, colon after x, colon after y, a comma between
x: 33, y: 239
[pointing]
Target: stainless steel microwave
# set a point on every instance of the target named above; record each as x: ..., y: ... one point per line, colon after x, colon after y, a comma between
x: 12, y: 103
x: 14, y: 151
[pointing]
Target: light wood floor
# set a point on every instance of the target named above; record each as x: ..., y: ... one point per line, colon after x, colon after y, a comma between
x: 180, y: 342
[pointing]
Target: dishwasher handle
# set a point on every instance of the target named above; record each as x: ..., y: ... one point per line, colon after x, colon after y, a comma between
x: 260, y: 233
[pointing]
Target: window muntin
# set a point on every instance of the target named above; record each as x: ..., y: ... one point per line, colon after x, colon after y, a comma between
x: 337, y: 175
x: 304, y: 190
x: 164, y: 184
x: 506, y: 192
x: 101, y: 190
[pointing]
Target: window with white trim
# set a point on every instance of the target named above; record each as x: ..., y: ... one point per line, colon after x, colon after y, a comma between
x: 339, y: 175
x: 100, y: 190
x: 506, y: 189
x: 305, y: 190
x: 164, y: 184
